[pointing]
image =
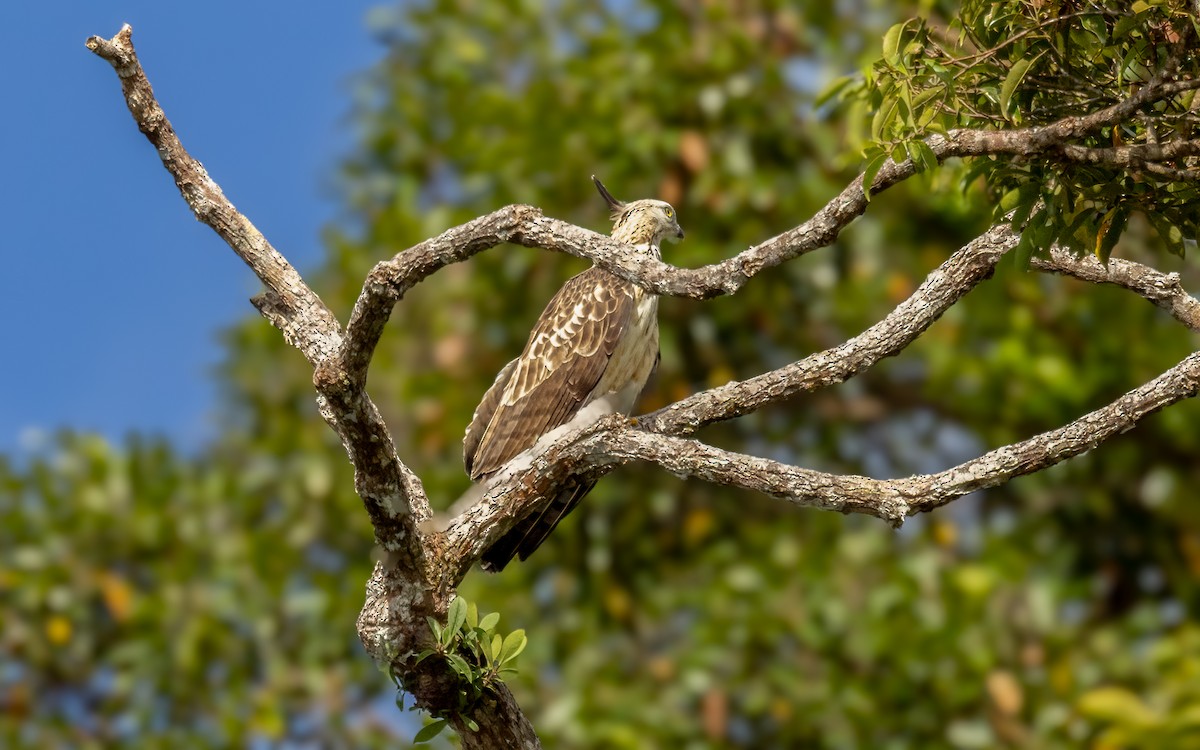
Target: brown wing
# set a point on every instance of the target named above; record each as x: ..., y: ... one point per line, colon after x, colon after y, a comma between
x: 565, y: 356
x: 483, y: 415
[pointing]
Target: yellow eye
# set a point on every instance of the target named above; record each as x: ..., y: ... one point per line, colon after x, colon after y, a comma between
x: 670, y: 214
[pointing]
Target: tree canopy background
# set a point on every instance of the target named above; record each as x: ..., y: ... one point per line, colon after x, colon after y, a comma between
x: 162, y: 600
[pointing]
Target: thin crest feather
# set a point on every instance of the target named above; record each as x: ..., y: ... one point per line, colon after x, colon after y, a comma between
x: 617, y: 207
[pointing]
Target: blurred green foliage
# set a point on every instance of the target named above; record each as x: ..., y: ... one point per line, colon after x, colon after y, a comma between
x: 154, y: 600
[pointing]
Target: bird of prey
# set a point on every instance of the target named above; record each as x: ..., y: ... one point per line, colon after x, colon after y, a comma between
x: 589, y: 354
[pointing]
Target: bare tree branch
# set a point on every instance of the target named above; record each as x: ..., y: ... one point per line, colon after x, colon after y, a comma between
x: 1163, y: 289
x: 1170, y: 173
x: 310, y: 326
x: 945, y: 286
x: 1133, y: 155
x: 391, y: 492
x: 893, y: 499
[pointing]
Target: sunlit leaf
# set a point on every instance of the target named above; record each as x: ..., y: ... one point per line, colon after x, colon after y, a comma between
x: 514, y: 644
x: 1012, y: 81
x: 456, y: 615
x: 874, y: 164
x: 891, y: 43
x: 489, y: 622
x: 430, y: 730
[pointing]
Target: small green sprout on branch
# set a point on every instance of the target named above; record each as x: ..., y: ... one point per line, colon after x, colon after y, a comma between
x: 476, y: 653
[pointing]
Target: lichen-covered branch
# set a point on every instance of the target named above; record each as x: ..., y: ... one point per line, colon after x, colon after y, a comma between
x: 945, y: 286
x: 892, y: 499
x: 1163, y: 289
x: 515, y: 493
x: 389, y: 488
x: 1132, y: 155
x: 614, y: 442
x: 305, y: 320
x: 400, y: 595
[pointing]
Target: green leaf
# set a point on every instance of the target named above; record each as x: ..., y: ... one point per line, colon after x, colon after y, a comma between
x: 1078, y: 235
x: 1023, y: 251
x: 883, y: 118
x: 1125, y: 24
x: 922, y: 155
x: 1096, y: 25
x: 904, y: 103
x: 891, y: 44
x: 460, y: 665
x: 430, y: 730
x: 833, y: 89
x: 514, y: 644
x: 1016, y: 74
x: 978, y: 166
x: 436, y: 627
x: 1025, y: 206
x: 489, y: 621
x: 1111, y: 227
x: 472, y: 616
x: 497, y: 644
x: 1169, y: 233
x: 1043, y: 230
x: 456, y: 615
x: 1011, y: 199
x: 874, y: 164
x: 1037, y: 234
x: 924, y: 96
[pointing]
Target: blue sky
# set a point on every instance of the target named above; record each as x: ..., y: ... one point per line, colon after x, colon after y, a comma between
x: 112, y: 293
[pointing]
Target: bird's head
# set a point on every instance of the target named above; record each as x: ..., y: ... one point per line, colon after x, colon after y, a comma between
x: 646, y: 221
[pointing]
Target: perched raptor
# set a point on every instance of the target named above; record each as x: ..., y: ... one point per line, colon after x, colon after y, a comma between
x: 589, y: 354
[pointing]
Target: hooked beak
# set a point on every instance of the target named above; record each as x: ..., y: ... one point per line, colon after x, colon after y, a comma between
x: 678, y: 232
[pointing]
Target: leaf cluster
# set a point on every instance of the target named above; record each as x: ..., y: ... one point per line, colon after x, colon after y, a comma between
x: 475, y: 652
x: 1023, y: 63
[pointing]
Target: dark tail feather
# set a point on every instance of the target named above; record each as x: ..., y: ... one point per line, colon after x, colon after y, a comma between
x: 522, y: 539
x: 550, y: 518
x: 505, y: 548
